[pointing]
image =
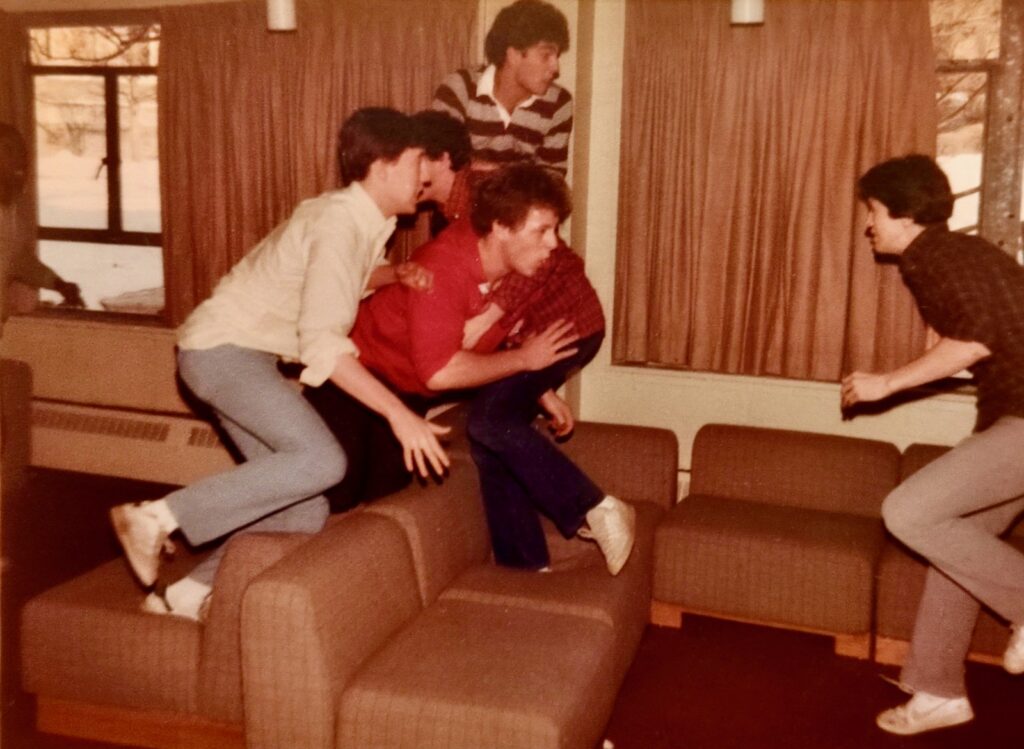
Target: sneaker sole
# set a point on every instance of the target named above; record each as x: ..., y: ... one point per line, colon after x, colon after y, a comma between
x: 900, y: 730
x: 143, y: 565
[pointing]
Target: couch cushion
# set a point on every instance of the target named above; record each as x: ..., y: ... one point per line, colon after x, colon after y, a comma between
x: 798, y: 469
x: 311, y: 620
x: 901, y: 575
x: 220, y: 671
x: 467, y: 675
x: 783, y: 565
x: 86, y: 640
x: 444, y: 525
x: 629, y: 462
x: 581, y: 589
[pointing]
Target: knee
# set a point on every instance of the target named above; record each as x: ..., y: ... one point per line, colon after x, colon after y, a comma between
x: 325, y: 465
x: 902, y: 514
x: 489, y: 432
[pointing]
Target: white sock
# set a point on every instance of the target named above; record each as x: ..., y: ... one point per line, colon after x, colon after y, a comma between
x: 928, y: 701
x: 186, y: 596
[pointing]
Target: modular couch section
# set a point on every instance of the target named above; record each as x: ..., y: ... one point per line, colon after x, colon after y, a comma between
x: 779, y: 528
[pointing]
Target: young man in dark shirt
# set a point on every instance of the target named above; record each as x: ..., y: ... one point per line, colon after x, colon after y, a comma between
x: 953, y: 511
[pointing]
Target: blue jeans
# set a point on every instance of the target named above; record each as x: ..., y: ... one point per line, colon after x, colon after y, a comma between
x: 290, y: 454
x: 521, y: 471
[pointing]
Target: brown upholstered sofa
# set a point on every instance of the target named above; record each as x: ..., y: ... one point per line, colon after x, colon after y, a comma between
x: 779, y: 528
x: 391, y: 628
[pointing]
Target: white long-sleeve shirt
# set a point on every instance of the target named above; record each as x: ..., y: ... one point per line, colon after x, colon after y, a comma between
x: 297, y: 292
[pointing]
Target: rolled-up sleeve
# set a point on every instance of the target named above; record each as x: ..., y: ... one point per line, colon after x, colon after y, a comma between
x: 339, y: 264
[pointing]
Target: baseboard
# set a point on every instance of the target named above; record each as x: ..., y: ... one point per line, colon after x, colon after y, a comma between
x: 151, y: 729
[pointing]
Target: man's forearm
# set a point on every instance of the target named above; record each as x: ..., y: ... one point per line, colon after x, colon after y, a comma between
x: 467, y: 369
x: 945, y: 358
x: 351, y: 376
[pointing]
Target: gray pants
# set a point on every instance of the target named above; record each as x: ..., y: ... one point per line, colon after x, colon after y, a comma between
x: 290, y: 454
x: 952, y: 512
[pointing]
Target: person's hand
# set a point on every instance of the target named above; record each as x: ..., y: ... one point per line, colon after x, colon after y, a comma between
x: 414, y: 275
x: 858, y: 387
x: 420, y: 447
x: 559, y: 413
x: 71, y: 293
x: 544, y: 349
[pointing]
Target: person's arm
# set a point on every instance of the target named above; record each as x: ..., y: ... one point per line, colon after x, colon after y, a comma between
x: 417, y: 436
x: 945, y: 358
x: 468, y: 369
x: 562, y: 420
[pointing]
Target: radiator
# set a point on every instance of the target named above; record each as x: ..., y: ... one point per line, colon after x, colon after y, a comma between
x: 114, y: 442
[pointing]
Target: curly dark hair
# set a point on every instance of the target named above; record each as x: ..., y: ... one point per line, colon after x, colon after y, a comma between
x: 440, y: 133
x: 506, y: 196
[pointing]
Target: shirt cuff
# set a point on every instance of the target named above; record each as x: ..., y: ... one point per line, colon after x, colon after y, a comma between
x: 321, y: 359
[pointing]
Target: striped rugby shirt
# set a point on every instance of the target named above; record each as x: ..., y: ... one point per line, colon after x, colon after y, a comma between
x: 537, y: 130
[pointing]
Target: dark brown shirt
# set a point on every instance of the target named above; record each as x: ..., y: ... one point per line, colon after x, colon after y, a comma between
x: 970, y: 290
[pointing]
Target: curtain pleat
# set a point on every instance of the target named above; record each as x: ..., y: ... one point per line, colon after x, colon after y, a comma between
x: 249, y: 118
x: 740, y: 244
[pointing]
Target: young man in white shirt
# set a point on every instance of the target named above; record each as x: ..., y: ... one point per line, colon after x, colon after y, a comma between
x: 293, y: 297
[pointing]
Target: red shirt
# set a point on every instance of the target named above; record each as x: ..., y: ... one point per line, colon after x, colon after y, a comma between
x: 406, y: 336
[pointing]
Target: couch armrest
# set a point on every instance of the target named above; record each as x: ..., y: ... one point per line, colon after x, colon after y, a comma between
x: 310, y: 621
x: 220, y: 669
x: 630, y: 462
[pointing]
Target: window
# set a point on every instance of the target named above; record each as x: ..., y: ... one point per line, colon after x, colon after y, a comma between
x: 95, y: 102
x: 979, y: 101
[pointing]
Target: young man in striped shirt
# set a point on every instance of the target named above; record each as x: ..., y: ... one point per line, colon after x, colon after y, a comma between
x: 512, y: 107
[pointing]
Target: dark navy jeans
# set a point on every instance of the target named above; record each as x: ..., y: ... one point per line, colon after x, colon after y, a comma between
x: 521, y: 471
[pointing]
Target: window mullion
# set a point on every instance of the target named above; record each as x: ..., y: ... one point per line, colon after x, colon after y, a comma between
x: 113, y: 159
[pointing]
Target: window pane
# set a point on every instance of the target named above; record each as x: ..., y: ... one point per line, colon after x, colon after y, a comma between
x: 961, y: 104
x: 70, y: 148
x: 116, y: 278
x: 95, y: 45
x: 965, y: 29
x: 140, y: 171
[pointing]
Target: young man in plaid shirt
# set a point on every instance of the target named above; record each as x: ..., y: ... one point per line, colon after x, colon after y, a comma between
x: 954, y: 510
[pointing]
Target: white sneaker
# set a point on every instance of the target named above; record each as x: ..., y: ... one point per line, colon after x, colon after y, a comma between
x: 925, y: 712
x: 142, y: 537
x: 612, y: 524
x: 1013, y: 658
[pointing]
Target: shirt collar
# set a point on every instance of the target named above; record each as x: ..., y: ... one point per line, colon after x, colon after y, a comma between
x: 913, y: 255
x: 374, y: 221
x: 485, y: 87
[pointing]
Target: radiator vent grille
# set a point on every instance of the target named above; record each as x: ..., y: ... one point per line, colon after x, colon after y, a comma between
x: 203, y: 437
x: 115, y: 426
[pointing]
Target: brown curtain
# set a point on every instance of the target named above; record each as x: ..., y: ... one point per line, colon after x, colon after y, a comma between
x: 17, y: 221
x: 740, y: 244
x: 249, y: 118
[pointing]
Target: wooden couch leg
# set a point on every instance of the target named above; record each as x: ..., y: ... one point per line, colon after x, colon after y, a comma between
x: 853, y: 646
x: 666, y: 614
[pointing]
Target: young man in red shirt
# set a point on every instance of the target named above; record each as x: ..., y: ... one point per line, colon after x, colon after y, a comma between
x: 416, y: 341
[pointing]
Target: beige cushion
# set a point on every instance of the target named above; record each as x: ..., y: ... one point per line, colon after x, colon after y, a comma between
x: 312, y: 620
x: 782, y: 565
x: 220, y: 671
x: 469, y: 676
x: 796, y: 469
x: 445, y: 527
x: 86, y: 640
